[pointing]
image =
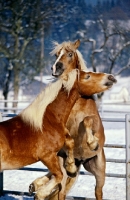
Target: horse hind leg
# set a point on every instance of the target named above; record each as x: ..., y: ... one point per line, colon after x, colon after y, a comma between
x: 100, y: 163
x: 97, y: 166
x: 91, y: 126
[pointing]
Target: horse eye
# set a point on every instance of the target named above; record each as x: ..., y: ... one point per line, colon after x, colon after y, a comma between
x: 70, y: 54
x: 87, y: 77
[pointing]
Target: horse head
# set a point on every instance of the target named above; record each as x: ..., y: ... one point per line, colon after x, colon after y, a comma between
x: 90, y: 83
x: 67, y: 58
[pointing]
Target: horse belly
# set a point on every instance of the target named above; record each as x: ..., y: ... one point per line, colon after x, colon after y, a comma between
x: 11, y: 161
x: 15, y: 157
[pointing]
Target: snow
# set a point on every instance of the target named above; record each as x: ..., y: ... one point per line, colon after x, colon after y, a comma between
x: 45, y: 79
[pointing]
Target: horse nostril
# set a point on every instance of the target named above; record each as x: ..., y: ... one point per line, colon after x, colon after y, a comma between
x: 111, y: 78
x: 59, y: 65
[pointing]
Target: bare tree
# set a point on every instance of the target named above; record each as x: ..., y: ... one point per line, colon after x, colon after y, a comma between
x: 108, y: 47
x: 22, y: 24
x: 109, y: 31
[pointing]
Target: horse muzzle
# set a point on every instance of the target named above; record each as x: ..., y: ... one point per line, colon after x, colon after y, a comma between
x: 110, y: 81
x: 111, y: 78
x: 57, y: 69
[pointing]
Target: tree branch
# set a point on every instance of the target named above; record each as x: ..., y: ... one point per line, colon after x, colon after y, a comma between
x: 113, y: 58
x: 122, y: 69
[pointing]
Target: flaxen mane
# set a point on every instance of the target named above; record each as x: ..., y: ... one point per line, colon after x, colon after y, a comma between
x: 33, y: 114
x: 81, y: 61
x: 68, y: 46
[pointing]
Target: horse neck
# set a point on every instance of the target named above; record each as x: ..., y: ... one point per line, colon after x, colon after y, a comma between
x: 88, y: 104
x: 89, y: 97
x: 63, y: 104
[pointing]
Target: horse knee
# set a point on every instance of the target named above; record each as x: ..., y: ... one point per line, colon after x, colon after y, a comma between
x: 93, y: 143
x: 92, y: 121
x: 91, y: 126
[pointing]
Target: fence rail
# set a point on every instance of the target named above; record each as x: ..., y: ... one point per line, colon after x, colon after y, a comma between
x: 102, y: 105
x: 127, y: 160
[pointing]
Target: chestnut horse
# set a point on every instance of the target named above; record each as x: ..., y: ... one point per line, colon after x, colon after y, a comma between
x: 84, y: 121
x: 83, y: 118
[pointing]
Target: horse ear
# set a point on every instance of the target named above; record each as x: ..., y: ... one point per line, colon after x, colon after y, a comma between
x: 76, y: 44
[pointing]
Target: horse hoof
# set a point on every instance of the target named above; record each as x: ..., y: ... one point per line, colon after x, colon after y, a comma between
x: 31, y: 188
x: 72, y: 175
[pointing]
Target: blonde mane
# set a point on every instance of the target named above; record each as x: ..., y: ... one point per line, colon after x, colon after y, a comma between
x: 34, y: 113
x: 64, y: 45
x: 69, y: 45
x: 81, y: 61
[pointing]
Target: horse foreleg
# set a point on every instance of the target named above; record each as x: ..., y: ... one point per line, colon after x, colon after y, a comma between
x: 97, y: 166
x: 90, y: 125
x: 70, y: 161
x: 36, y: 184
x: 52, y: 162
x: 67, y: 185
x: 62, y: 192
x: 55, y: 195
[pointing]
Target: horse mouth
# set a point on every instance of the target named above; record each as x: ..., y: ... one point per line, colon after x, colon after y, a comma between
x: 109, y: 84
x: 55, y: 75
x: 58, y: 72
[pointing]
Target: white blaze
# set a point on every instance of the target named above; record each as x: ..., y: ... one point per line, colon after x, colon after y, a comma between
x: 59, y: 57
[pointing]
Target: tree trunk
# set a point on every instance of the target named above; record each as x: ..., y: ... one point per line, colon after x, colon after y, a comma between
x: 16, y: 84
x: 42, y: 55
x: 6, y: 85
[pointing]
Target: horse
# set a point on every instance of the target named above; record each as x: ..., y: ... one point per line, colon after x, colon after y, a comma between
x: 83, y: 116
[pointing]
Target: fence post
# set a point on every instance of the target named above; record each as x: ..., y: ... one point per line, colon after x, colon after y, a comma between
x: 1, y: 173
x: 1, y: 117
x: 127, y: 136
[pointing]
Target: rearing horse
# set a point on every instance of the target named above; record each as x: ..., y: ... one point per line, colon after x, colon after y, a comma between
x: 84, y: 120
x: 67, y: 61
